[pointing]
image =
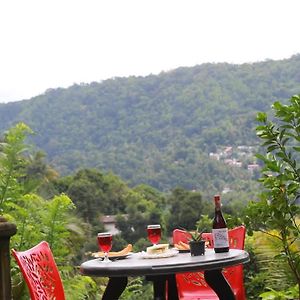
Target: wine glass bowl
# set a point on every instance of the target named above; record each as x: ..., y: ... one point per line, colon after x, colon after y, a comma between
x: 154, y: 233
x: 105, y: 243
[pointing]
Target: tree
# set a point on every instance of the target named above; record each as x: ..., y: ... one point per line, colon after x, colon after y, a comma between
x: 185, y: 209
x: 277, y: 213
x: 12, y: 163
x: 152, y: 194
x: 86, y: 191
x: 140, y: 213
x: 94, y: 193
x: 39, y: 175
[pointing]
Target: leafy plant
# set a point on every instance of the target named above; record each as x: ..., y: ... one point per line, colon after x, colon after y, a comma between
x: 263, y: 249
x: 272, y: 294
x: 277, y: 213
x: 12, y: 163
x: 194, y: 235
x: 133, y: 290
x: 36, y: 218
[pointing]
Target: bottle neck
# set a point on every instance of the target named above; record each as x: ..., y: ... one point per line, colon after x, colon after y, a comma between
x: 217, y: 203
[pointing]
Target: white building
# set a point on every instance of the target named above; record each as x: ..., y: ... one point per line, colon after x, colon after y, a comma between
x: 109, y: 222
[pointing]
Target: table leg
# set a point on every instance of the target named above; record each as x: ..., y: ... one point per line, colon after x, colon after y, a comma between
x: 219, y: 284
x: 172, y: 287
x: 160, y: 283
x: 115, y: 288
x: 159, y: 286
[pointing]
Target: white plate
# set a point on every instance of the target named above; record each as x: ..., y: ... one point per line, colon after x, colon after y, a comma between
x: 169, y: 253
x: 112, y: 257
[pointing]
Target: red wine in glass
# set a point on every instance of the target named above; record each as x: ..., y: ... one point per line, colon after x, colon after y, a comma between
x: 105, y: 243
x: 154, y: 233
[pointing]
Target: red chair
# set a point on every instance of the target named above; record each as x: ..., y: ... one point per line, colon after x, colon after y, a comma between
x: 40, y: 272
x: 192, y: 286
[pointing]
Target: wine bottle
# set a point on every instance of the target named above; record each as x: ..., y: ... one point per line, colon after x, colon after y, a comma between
x: 220, y: 230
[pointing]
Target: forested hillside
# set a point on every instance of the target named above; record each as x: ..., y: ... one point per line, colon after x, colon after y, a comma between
x: 158, y: 129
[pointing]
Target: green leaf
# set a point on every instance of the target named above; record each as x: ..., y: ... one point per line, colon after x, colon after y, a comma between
x: 261, y: 157
x: 261, y: 117
x: 296, y: 148
x: 272, y: 147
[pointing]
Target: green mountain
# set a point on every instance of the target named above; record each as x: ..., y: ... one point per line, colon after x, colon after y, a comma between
x: 158, y: 129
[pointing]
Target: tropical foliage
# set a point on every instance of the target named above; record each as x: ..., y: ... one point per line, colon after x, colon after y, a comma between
x: 36, y: 218
x: 277, y: 213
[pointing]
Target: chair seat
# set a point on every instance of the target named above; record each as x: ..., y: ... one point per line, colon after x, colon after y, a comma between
x: 205, y: 295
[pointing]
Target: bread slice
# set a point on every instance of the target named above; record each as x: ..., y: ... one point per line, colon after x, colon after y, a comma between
x: 157, y: 249
x: 182, y: 246
x: 122, y: 252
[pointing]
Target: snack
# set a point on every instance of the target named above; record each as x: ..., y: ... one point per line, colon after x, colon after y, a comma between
x: 182, y: 246
x: 157, y: 249
x: 122, y: 252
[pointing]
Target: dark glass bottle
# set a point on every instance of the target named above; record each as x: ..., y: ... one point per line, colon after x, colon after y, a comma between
x: 220, y: 230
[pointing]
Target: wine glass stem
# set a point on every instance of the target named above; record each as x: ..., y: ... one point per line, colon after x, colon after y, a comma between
x: 106, y: 256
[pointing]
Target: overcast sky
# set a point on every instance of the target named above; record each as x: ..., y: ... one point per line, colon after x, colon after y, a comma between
x: 56, y: 43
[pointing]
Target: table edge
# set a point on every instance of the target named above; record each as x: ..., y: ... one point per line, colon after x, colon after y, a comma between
x: 242, y: 258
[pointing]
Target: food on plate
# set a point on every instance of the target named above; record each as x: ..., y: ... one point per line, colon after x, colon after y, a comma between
x: 182, y: 246
x: 157, y: 249
x: 122, y: 252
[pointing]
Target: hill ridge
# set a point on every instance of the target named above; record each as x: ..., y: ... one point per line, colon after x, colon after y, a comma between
x: 139, y: 126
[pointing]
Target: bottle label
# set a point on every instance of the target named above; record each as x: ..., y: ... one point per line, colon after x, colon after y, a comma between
x: 220, y: 237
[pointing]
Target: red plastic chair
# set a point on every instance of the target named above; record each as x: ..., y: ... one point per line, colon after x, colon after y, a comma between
x: 40, y: 272
x: 192, y: 286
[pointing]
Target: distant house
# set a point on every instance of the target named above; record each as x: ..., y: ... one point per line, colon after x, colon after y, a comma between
x: 253, y: 167
x: 233, y: 162
x: 245, y: 148
x: 226, y: 190
x: 214, y: 155
x: 238, y: 164
x: 109, y: 222
x: 228, y: 151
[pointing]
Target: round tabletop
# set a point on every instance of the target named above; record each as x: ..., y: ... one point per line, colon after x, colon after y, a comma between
x: 136, y: 265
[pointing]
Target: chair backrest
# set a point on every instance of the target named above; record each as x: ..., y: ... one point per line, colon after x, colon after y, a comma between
x: 236, y: 237
x: 40, y: 272
x: 192, y: 284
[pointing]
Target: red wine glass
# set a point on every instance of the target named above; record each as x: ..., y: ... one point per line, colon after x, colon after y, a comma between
x: 105, y: 244
x: 154, y: 233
